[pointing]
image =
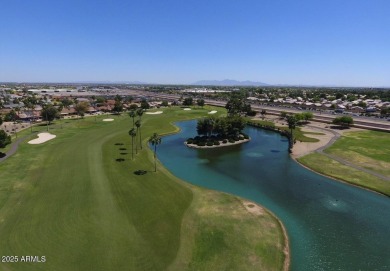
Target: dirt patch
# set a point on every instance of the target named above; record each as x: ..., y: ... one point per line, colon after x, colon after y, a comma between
x: 253, y: 208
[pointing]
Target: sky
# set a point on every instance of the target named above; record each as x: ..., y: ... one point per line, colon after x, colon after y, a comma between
x: 300, y: 42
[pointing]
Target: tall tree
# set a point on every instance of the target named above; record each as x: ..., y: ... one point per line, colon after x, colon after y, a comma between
x: 200, y: 102
x: 138, y: 125
x: 263, y: 113
x: 4, y: 139
x: 81, y: 108
x: 292, y: 123
x: 155, y: 140
x: 118, y: 107
x: 132, y: 115
x: 140, y: 112
x: 188, y: 101
x: 133, y: 134
x: 49, y: 113
x: 144, y: 104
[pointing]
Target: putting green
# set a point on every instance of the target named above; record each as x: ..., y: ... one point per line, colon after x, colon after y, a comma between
x: 76, y: 201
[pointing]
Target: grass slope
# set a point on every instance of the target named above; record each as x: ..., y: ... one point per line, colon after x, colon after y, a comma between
x: 368, y: 149
x: 72, y: 201
x: 339, y: 171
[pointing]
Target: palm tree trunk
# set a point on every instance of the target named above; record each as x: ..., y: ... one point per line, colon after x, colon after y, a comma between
x: 132, y: 148
x: 136, y: 145
x: 155, y: 158
x: 140, y: 138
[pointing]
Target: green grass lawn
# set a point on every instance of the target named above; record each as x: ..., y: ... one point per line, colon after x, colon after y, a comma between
x: 70, y: 200
x: 368, y: 149
x: 300, y: 135
x: 327, y: 166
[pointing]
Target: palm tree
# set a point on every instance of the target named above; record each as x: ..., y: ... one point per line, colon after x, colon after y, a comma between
x: 132, y: 115
x: 133, y: 134
x: 263, y: 113
x: 138, y: 125
x: 155, y: 140
x: 292, y: 123
x: 140, y: 112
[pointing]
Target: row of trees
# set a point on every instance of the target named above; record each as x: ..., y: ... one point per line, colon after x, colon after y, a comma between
x: 344, y: 121
x: 223, y: 127
x: 299, y: 117
x: 190, y: 101
x: 135, y: 131
x: 237, y: 105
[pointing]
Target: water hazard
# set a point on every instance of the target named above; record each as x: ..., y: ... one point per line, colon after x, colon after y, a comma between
x: 331, y: 225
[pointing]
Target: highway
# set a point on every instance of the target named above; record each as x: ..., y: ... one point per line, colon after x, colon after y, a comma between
x: 370, y: 123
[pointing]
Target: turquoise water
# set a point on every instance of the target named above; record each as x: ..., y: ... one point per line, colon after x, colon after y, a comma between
x: 331, y: 226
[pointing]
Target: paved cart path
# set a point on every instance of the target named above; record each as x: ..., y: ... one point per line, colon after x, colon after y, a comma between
x: 14, y: 147
x: 342, y: 161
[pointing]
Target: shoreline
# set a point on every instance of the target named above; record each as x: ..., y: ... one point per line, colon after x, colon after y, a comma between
x: 286, y: 248
x: 217, y: 146
x: 340, y: 180
x: 302, y: 150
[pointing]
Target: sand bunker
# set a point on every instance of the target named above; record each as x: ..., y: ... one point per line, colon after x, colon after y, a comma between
x: 154, y: 113
x: 42, y: 137
x: 187, y: 109
x: 212, y: 112
x: 108, y: 120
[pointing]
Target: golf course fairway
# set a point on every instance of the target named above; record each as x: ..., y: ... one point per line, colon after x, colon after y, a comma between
x: 74, y: 203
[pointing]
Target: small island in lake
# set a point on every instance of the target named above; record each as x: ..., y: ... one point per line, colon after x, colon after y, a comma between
x: 218, y: 132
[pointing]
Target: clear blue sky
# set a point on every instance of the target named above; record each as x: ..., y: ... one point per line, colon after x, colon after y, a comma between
x: 331, y: 42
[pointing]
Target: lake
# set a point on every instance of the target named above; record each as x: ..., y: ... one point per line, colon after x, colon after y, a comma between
x: 331, y: 225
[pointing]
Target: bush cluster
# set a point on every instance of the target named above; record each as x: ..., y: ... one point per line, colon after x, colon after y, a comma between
x: 215, y: 140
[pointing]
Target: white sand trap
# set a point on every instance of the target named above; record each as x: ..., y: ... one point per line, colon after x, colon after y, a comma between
x: 212, y: 112
x: 42, y: 137
x: 108, y: 120
x: 187, y: 109
x: 154, y: 113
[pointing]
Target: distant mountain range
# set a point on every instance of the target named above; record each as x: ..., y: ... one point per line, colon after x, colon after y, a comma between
x: 228, y: 82
x: 112, y: 82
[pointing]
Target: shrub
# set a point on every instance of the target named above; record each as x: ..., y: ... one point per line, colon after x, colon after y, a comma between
x: 231, y: 140
x: 241, y: 137
x: 201, y: 143
x: 236, y: 138
x: 2, y: 154
x: 251, y: 113
x: 216, y: 143
x: 224, y: 141
x: 140, y: 172
x: 210, y: 143
x: 190, y: 141
x: 246, y: 136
